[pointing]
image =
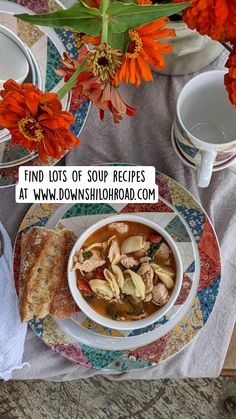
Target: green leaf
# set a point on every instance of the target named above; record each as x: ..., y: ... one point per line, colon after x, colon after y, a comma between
x: 118, y: 40
x: 87, y: 255
x: 90, y: 20
x: 78, y: 17
x: 129, y: 1
x: 153, y: 248
x: 128, y: 16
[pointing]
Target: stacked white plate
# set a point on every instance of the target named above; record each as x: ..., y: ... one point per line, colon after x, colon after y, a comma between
x: 21, y: 66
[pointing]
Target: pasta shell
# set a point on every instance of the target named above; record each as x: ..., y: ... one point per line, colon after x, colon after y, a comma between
x: 138, y: 283
x: 110, y: 277
x: 128, y: 287
x: 118, y: 275
x: 101, y: 287
x: 165, y: 274
x: 114, y: 255
x: 110, y: 239
x: 92, y: 246
x: 133, y: 244
x: 154, y: 266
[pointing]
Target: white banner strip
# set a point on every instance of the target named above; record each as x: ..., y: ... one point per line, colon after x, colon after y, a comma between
x: 86, y: 184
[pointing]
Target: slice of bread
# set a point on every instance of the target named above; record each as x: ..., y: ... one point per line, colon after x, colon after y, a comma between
x: 43, y: 274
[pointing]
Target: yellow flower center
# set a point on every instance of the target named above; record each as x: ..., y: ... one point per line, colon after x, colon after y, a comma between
x: 135, y: 45
x: 79, y: 39
x: 104, y: 61
x: 31, y: 129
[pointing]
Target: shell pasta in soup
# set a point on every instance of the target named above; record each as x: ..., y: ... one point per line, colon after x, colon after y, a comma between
x: 125, y: 270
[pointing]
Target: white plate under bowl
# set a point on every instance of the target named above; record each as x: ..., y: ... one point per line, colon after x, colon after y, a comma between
x: 125, y: 340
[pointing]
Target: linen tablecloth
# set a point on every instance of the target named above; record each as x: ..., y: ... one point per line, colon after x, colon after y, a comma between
x: 145, y: 139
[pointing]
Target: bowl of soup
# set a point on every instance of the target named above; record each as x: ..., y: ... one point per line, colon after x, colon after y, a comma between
x: 125, y: 272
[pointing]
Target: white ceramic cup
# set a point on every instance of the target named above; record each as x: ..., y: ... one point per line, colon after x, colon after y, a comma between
x: 13, y: 64
x: 205, y: 122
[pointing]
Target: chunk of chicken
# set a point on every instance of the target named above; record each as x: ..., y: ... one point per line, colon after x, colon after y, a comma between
x: 148, y: 297
x: 75, y: 259
x: 128, y: 261
x: 119, y: 227
x: 145, y: 259
x: 88, y: 265
x: 162, y: 255
x: 147, y: 274
x: 140, y: 253
x: 79, y: 256
x: 160, y: 294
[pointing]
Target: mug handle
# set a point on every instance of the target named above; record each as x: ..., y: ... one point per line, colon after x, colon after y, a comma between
x: 204, y: 170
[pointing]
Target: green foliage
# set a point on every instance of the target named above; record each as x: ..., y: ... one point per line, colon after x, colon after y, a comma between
x: 78, y: 17
x: 121, y: 16
x: 118, y: 40
x: 128, y: 16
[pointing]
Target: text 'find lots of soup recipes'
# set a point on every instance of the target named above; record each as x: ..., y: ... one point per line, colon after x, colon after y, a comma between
x: 86, y: 184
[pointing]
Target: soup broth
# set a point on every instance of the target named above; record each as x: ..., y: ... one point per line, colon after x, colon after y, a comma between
x: 125, y: 271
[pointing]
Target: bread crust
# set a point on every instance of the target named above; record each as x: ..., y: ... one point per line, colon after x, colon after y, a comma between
x: 43, y: 274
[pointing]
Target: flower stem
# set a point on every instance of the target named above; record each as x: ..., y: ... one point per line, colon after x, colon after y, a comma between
x: 228, y: 47
x: 105, y: 21
x: 72, y: 81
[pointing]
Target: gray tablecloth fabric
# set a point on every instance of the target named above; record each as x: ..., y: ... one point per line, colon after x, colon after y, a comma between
x: 145, y: 139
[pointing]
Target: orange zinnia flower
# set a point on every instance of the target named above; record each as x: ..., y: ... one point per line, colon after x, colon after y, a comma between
x: 144, y: 51
x: 145, y: 2
x: 81, y: 38
x: 230, y: 78
x: 107, y: 97
x: 36, y: 120
x: 96, y: 83
x: 215, y: 18
x: 67, y: 69
x: 104, y: 96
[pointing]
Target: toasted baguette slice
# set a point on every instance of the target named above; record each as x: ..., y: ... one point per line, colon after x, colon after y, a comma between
x: 43, y: 274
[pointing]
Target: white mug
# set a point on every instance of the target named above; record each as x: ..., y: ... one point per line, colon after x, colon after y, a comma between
x: 205, y: 123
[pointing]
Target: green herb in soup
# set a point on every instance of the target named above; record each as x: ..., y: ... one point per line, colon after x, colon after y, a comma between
x: 125, y: 271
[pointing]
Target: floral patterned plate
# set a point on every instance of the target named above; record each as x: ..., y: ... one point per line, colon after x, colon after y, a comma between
x: 46, y: 46
x: 182, y: 333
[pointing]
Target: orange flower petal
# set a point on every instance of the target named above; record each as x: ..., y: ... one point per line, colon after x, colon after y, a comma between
x: 144, y: 69
x: 32, y: 102
x: 215, y: 18
x: 153, y: 27
x: 146, y: 52
x: 94, y: 40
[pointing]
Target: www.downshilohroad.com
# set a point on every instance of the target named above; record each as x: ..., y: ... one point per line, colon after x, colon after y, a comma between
x: 94, y: 194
